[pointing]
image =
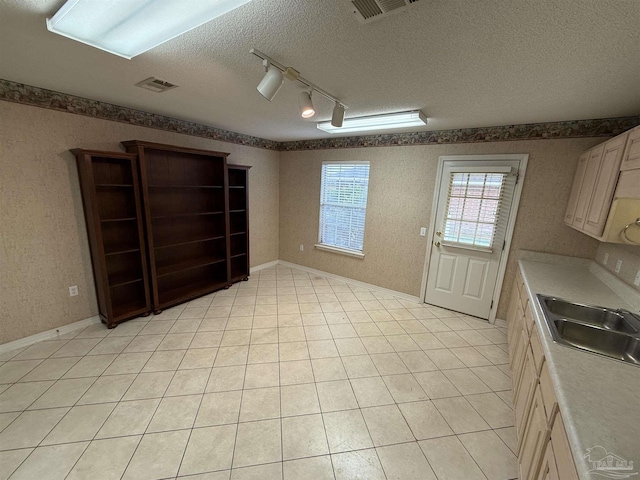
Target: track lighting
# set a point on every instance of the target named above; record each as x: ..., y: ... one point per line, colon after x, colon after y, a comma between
x: 338, y: 115
x: 271, y: 82
x: 306, y: 105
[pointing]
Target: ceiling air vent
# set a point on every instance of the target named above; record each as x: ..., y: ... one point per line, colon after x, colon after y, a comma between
x: 156, y: 85
x: 370, y: 10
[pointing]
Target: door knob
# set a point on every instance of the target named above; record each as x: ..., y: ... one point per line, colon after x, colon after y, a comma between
x: 439, y: 234
x: 437, y: 244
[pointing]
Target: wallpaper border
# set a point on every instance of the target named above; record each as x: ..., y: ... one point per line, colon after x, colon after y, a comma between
x: 40, y: 97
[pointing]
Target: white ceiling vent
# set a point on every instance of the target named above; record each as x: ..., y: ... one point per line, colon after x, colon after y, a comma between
x: 371, y: 10
x: 156, y: 85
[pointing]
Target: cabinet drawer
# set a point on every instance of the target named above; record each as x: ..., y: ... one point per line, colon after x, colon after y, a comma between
x: 562, y: 451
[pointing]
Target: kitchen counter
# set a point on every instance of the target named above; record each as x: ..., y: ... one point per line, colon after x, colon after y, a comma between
x: 599, y: 398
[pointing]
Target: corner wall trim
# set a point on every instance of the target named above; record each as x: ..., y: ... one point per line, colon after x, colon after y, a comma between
x: 368, y: 286
x: 48, y: 335
x: 262, y: 266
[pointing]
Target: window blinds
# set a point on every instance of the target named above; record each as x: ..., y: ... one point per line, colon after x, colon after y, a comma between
x: 473, y: 208
x: 343, y: 204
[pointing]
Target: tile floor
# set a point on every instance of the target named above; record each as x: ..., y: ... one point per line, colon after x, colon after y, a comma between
x: 286, y: 376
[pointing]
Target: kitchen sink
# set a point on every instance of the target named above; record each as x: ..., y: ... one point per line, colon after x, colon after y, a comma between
x: 603, y: 331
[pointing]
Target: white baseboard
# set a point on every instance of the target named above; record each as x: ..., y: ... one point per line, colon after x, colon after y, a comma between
x: 498, y: 322
x: 368, y: 286
x: 48, y: 335
x: 257, y: 268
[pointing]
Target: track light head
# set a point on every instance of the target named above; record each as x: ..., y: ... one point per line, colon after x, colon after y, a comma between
x: 270, y: 83
x: 338, y: 115
x: 306, y: 105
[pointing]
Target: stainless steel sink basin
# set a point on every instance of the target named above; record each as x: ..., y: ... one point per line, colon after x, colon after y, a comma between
x: 598, y: 316
x: 612, y: 333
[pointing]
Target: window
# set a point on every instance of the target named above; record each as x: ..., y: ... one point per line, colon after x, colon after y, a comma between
x: 343, y: 206
x: 473, y: 204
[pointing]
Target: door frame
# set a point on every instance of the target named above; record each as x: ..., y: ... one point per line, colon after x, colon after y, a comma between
x: 522, y: 158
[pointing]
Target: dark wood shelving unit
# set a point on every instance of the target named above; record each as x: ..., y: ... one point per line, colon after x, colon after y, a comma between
x: 238, y: 202
x: 185, y: 202
x: 112, y: 208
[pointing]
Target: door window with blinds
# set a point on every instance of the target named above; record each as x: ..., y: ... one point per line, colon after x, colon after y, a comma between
x: 343, y: 205
x: 472, y: 216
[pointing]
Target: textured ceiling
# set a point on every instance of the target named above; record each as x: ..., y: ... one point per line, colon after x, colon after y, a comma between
x: 464, y: 63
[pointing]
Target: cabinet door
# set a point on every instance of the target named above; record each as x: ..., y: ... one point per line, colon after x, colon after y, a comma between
x: 586, y: 188
x: 562, y: 451
x: 575, y: 190
x: 631, y: 158
x: 604, y: 185
x: 535, y: 438
x: 524, y: 393
x: 548, y: 469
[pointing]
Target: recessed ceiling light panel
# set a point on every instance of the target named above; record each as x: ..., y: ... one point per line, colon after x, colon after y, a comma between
x: 385, y: 121
x: 130, y: 27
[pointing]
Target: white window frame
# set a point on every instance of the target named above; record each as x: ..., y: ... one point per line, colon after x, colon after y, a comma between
x: 333, y: 248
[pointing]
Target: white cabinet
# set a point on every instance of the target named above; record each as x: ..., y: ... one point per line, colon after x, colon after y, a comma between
x: 632, y: 151
x: 586, y: 186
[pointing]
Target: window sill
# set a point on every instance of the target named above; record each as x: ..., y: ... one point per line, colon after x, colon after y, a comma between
x: 342, y: 251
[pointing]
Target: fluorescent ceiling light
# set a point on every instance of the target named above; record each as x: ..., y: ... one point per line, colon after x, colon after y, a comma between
x: 130, y: 27
x: 414, y: 118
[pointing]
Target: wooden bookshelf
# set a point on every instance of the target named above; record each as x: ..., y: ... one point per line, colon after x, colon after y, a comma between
x: 238, y: 193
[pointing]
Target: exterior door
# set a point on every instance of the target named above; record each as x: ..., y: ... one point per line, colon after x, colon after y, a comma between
x: 471, y: 221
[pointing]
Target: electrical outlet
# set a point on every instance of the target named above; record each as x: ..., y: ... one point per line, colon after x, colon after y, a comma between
x: 618, y: 266
x: 636, y: 282
x: 301, y: 248
x: 73, y: 290
x: 606, y: 258
x: 423, y: 231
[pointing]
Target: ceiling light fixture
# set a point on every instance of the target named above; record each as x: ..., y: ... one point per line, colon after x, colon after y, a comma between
x: 414, y: 118
x: 271, y: 82
x: 306, y: 105
x: 127, y: 28
x: 337, y: 118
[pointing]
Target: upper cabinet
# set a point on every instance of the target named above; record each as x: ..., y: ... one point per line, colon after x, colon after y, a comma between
x: 605, y: 196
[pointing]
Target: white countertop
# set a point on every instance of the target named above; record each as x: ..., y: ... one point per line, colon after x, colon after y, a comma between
x: 599, y: 398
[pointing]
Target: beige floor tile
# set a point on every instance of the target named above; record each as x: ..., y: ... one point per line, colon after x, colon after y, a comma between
x: 291, y: 334
x: 198, y: 358
x: 20, y: 395
x: 289, y: 319
x: 7, y: 418
x: 185, y: 326
x: 50, y: 369
x: 11, y: 372
x: 334, y: 318
x: 371, y: 392
x: 40, y: 350
x: 470, y: 356
x: 264, y: 336
x: 80, y: 424
x: 90, y: 366
x: 405, y: 462
x: 360, y: 465
x: 295, y: 372
x: 10, y: 460
x: 229, y: 356
x: 149, y: 385
x: 444, y: 359
x: 221, y: 475
x: 389, y: 364
x: 204, y: 339
x: 111, y: 345
x: 377, y: 345
x: 235, y: 337
x: 188, y: 382
x: 402, y: 343
x: 53, y: 462
x: 270, y: 471
x: 158, y: 456
x: 30, y: 428
x: 316, y: 332
x: 262, y: 375
x: 460, y: 415
x: 346, y: 430
x: 263, y: 353
x: 224, y: 379
x: 219, y: 409
x: 427, y: 341
x: 492, y: 409
x: 314, y: 468
x: 299, y: 400
x: 350, y: 346
x: 77, y: 347
x: 322, y: 349
x: 450, y: 460
x: 336, y: 395
x: 129, y: 418
x: 293, y: 351
x: 404, y: 388
x: 144, y: 343
x: 466, y: 381
x: 257, y: 443
x: 508, y: 436
x: 260, y: 404
x: 474, y: 337
x: 96, y: 464
x: 493, y: 377
x: 387, y: 425
x: 417, y: 361
x: 342, y: 330
x: 63, y: 393
x: 436, y: 385
x: 390, y: 327
x: 107, y: 389
x: 164, y: 361
x: 368, y: 329
x: 425, y: 420
x: 175, y: 413
x: 303, y: 436
x: 494, y: 354
x: 327, y: 369
x: 491, y: 454
x: 359, y: 366
x: 128, y: 363
x: 209, y: 449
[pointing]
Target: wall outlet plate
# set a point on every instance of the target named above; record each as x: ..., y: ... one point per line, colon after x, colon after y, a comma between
x: 302, y: 248
x: 423, y: 231
x: 636, y: 282
x: 606, y: 258
x: 618, y: 266
x: 73, y: 290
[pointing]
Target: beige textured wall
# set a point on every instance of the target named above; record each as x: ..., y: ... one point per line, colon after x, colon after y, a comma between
x: 44, y: 246
x: 402, y: 182
x: 630, y: 256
